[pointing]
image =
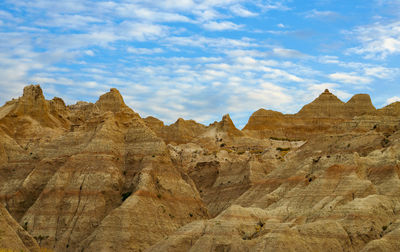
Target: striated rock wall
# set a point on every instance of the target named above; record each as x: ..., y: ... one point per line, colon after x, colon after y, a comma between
x: 98, y: 177
x: 326, y: 114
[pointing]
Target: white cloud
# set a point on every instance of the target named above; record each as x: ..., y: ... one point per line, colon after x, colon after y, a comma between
x: 281, y: 25
x: 141, y: 31
x: 263, y: 95
x: 321, y: 14
x: 144, y: 50
x: 207, y: 42
x: 350, y: 78
x: 392, y: 99
x: 288, y: 53
x: 221, y: 26
x: 241, y: 11
x: 329, y: 59
x: 381, y: 72
x: 129, y: 10
x: 89, y: 52
x: 377, y: 41
x: 279, y: 75
x: 317, y: 89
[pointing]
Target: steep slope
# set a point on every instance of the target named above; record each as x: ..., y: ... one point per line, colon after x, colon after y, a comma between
x: 98, y: 177
x: 63, y: 187
x: 13, y: 236
x: 323, y: 197
x: 325, y: 115
x: 359, y: 104
x: 182, y: 131
x: 326, y: 105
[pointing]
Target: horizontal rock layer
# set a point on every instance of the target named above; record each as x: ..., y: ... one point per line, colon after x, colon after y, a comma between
x: 98, y: 177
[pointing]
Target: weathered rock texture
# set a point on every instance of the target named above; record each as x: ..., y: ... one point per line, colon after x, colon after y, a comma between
x: 325, y: 115
x: 66, y: 176
x: 98, y: 177
x: 13, y: 236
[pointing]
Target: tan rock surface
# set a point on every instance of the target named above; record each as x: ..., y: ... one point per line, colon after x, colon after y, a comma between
x: 13, y: 236
x: 62, y: 187
x: 325, y: 115
x: 182, y: 131
x: 98, y: 177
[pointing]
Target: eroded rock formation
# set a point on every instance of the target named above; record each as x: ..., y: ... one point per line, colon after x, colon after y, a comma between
x: 98, y: 177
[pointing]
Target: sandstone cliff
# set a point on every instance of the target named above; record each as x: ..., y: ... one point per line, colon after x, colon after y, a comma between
x: 326, y: 114
x: 66, y: 184
x: 98, y: 177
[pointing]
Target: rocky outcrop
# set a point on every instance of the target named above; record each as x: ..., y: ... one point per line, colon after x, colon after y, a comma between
x: 226, y: 126
x: 326, y: 105
x: 98, y: 177
x: 12, y: 236
x: 111, y: 101
x: 358, y: 105
x: 390, y: 110
x: 325, y: 115
x: 321, y: 197
x: 180, y: 132
x: 66, y: 188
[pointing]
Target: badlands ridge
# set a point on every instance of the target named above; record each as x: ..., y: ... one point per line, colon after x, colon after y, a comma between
x: 98, y: 177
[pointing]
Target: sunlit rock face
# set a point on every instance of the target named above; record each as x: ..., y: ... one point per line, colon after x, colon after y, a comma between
x: 98, y: 177
x: 73, y: 169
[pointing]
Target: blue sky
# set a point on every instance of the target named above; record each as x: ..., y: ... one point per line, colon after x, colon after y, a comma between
x: 202, y: 59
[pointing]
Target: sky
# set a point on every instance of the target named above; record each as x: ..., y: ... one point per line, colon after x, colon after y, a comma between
x: 202, y: 59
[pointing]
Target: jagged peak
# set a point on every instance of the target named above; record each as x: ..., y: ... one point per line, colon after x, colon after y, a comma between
x: 227, y: 118
x: 325, y: 105
x: 153, y: 121
x: 33, y: 92
x: 227, y: 125
x: 111, y: 101
x: 180, y: 120
x: 58, y: 100
x: 32, y: 101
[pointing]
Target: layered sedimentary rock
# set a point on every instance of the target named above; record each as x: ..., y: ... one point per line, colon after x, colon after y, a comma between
x: 182, y: 131
x: 13, y: 236
x: 326, y: 114
x: 98, y: 177
x: 342, y: 195
x: 65, y: 183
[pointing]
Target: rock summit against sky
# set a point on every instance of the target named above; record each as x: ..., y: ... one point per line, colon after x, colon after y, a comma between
x: 200, y: 59
x: 99, y: 177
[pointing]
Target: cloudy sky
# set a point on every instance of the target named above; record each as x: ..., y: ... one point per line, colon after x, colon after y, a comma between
x: 201, y: 59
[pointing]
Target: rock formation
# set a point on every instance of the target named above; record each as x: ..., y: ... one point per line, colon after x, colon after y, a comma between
x: 326, y: 114
x: 98, y: 177
x: 65, y: 186
x: 13, y: 236
x: 182, y: 131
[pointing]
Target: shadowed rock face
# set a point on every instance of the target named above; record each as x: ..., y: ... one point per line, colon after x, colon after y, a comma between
x: 98, y: 177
